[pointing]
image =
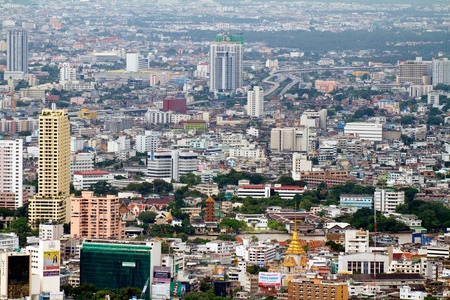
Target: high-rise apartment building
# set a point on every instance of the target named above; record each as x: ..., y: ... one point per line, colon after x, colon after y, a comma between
x: 416, y: 72
x: 290, y: 139
x: 11, y: 174
x: 67, y: 73
x: 441, y: 71
x: 255, y: 102
x: 96, y: 217
x: 148, y: 142
x: 386, y: 200
x: 170, y: 165
x: 226, y: 57
x: 17, y: 53
x: 52, y: 200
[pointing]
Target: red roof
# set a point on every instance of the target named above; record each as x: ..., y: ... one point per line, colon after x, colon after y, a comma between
x: 91, y: 173
x: 287, y: 187
x: 251, y: 186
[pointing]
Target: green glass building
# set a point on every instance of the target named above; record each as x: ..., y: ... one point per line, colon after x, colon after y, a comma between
x: 234, y: 38
x: 116, y: 265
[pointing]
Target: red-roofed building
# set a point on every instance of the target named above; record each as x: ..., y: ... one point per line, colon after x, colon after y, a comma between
x: 82, y: 180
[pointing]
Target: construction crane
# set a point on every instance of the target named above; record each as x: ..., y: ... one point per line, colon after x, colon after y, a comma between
x: 144, y: 289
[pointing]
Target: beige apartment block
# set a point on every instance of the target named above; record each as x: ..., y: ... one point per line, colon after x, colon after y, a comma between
x: 96, y: 217
x: 52, y: 200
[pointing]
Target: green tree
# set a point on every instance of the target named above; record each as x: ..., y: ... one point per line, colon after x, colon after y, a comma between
x: 147, y: 217
x: 196, y: 296
x: 190, y: 179
x: 103, y: 188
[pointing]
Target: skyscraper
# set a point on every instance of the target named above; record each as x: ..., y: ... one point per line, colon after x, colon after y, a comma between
x: 255, y: 102
x: 226, y: 58
x: 17, y: 53
x: 11, y: 174
x: 417, y: 72
x: 53, y: 198
x: 441, y: 71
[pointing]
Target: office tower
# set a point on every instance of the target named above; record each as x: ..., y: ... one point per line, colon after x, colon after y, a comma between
x: 416, y: 72
x: 118, y: 264
x: 11, y: 174
x: 132, y: 62
x: 226, y: 56
x: 441, y: 71
x: 52, y: 200
x: 170, y: 165
x: 255, y: 102
x: 17, y: 53
x: 289, y: 139
x: 96, y: 217
x: 67, y: 73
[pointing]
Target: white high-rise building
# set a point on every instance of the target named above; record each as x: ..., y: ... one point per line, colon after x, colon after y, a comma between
x: 81, y: 162
x: 386, y: 200
x: 133, y: 62
x: 51, y: 231
x: 316, y: 119
x: 168, y: 165
x: 295, y: 139
x: 255, y: 102
x: 147, y: 143
x: 11, y: 173
x: 76, y: 144
x: 17, y: 54
x: 441, y: 71
x: 45, y: 265
x: 300, y: 163
x: 365, y: 131
x: 226, y: 59
x: 67, y: 73
x: 433, y: 99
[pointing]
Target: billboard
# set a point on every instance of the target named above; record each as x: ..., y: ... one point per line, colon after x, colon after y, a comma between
x: 51, y: 263
x: 177, y: 290
x: 161, y: 274
x: 221, y: 272
x: 269, y: 279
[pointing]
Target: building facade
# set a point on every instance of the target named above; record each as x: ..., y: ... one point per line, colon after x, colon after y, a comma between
x: 226, y: 63
x: 96, y: 217
x: 359, y: 201
x: 11, y: 174
x: 168, y: 165
x: 295, y: 139
x: 386, y: 200
x: 52, y: 200
x: 17, y: 52
x: 365, y: 131
x: 255, y: 102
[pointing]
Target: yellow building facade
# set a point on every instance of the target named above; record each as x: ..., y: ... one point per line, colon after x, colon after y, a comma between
x: 87, y: 114
x: 53, y: 199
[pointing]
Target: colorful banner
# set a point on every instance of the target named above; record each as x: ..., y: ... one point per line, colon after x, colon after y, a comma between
x: 51, y: 263
x: 221, y: 272
x: 177, y: 289
x: 269, y: 279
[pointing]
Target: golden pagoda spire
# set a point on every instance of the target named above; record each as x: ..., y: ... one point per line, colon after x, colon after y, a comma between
x: 295, y: 248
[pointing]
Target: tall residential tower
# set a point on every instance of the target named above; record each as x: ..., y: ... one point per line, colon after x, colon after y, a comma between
x: 17, y: 54
x: 255, y: 102
x: 53, y: 198
x: 226, y: 57
x: 11, y: 174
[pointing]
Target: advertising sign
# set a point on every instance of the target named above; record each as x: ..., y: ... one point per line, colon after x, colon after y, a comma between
x: 51, y: 263
x: 177, y: 290
x: 161, y: 274
x: 221, y: 272
x: 269, y: 279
